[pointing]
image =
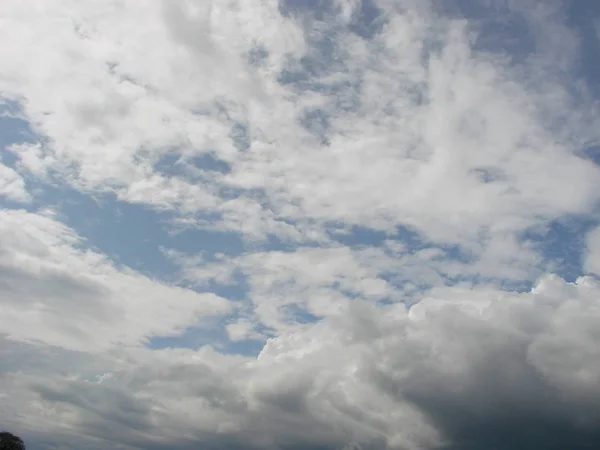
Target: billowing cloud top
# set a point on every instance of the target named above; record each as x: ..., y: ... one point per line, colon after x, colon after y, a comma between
x: 300, y: 224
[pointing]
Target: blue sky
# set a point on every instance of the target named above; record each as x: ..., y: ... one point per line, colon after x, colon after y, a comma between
x: 245, y: 205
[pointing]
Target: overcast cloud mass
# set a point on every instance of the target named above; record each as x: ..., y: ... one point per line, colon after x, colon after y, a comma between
x: 300, y: 224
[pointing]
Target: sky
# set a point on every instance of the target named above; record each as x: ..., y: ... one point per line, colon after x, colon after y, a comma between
x: 300, y: 224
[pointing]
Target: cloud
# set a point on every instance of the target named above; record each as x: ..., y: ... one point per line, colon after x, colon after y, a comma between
x: 592, y: 259
x: 389, y: 170
x: 57, y: 292
x: 287, y: 289
x: 107, y: 117
x: 463, y: 368
x: 12, y: 185
x: 418, y: 96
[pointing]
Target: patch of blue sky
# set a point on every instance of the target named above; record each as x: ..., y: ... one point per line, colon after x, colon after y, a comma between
x: 13, y: 130
x: 592, y: 153
x: 257, y: 55
x: 236, y: 289
x: 7, y: 203
x: 247, y: 347
x: 296, y: 314
x: 129, y: 234
x: 192, y: 337
x: 498, y: 27
x: 369, y: 20
x: 324, y: 56
x: 366, y: 22
x: 213, y: 334
x: 359, y: 236
x: 132, y: 235
x: 175, y: 163
x: 562, y: 243
x: 584, y: 17
x: 317, y: 9
x: 317, y: 122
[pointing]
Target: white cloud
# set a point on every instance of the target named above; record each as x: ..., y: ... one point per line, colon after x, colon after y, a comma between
x: 242, y: 329
x: 458, y: 119
x: 592, y: 258
x: 34, y: 158
x: 12, y: 185
x: 113, y: 98
x: 58, y: 293
x: 395, y: 379
x: 287, y: 288
x: 316, y: 131
x: 466, y: 144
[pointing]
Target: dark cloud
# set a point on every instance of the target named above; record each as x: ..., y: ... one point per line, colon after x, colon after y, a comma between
x: 477, y: 373
x: 58, y: 288
x: 502, y: 401
x: 114, y: 405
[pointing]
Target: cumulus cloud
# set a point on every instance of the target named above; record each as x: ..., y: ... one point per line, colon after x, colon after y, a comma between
x: 362, y: 186
x: 465, y: 368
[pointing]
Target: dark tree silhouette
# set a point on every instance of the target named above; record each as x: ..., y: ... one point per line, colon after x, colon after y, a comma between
x: 9, y: 441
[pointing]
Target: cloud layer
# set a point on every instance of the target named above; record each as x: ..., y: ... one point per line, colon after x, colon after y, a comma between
x: 396, y: 202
